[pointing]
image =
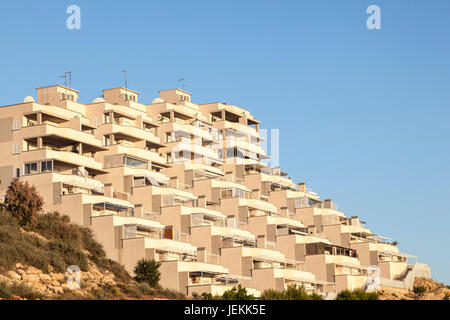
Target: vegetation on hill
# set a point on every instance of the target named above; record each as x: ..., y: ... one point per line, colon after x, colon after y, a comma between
x: 357, y: 295
x: 50, y: 243
x: 147, y: 272
x: 293, y: 292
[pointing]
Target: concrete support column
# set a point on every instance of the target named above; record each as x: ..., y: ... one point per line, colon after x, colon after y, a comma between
x: 39, y: 143
x: 172, y: 116
x: 39, y: 118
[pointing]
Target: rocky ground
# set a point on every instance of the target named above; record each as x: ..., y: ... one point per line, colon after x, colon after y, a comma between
x: 433, y: 291
x: 53, y: 284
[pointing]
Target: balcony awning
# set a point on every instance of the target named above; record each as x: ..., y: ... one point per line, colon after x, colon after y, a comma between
x: 152, y: 180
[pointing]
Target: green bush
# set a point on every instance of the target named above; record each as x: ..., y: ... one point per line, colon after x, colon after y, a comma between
x: 293, y: 292
x: 209, y: 296
x: 357, y: 295
x: 237, y: 293
x: 271, y: 294
x: 21, y: 290
x: 147, y: 271
x: 420, y: 290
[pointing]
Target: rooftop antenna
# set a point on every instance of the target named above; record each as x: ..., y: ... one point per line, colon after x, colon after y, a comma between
x: 126, y: 78
x: 182, y: 81
x: 67, y: 75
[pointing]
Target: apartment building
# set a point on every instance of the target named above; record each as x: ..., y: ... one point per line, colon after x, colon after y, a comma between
x: 187, y: 184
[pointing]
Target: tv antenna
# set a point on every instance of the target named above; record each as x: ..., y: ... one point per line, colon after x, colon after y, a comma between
x: 182, y: 81
x: 67, y: 77
x: 125, y: 78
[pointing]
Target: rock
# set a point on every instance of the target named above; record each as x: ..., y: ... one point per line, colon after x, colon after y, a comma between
x: 58, y: 290
x: 39, y: 287
x: 31, y: 277
x: 21, y: 272
x: 13, y: 275
x: 4, y: 279
x: 108, y: 279
x: 16, y: 298
x: 19, y: 265
x: 33, y: 270
x: 55, y: 283
x: 58, y: 276
x: 45, y: 277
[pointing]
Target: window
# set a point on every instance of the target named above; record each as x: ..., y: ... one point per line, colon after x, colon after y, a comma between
x: 16, y: 124
x: 135, y: 163
x: 16, y: 148
x: 31, y: 168
x: 18, y: 173
x: 106, y: 118
x: 106, y: 140
x: 47, y: 166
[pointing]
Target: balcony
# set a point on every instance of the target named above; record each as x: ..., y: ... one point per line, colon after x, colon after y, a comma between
x: 258, y: 205
x: 233, y: 233
x: 138, y: 172
x: 131, y: 132
x: 242, y: 145
x: 137, y: 152
x: 186, y: 145
x: 246, y: 130
x: 46, y: 130
x: 187, y: 129
x: 261, y: 254
x: 273, y: 179
x: 171, y: 246
x: 64, y: 156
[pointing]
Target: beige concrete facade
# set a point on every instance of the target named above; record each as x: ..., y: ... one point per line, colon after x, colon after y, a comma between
x: 186, y: 184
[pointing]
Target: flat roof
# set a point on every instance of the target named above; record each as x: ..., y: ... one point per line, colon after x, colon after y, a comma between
x: 58, y: 85
x: 187, y: 92
x: 121, y: 88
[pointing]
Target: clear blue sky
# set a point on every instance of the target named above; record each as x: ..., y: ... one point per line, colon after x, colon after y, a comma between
x: 363, y: 115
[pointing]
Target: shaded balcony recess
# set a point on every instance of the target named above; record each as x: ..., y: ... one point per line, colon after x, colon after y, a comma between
x: 284, y: 229
x: 31, y: 119
x: 58, y: 143
x: 322, y: 248
x: 225, y: 115
x: 237, y: 241
x: 105, y: 208
x: 132, y: 231
x: 306, y: 202
x: 60, y: 167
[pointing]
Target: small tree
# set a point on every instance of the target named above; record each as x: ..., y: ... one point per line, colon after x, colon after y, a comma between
x: 23, y: 202
x: 419, y: 289
x: 147, y: 271
x: 237, y: 293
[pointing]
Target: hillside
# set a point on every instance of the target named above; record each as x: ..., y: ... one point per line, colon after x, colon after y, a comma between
x: 33, y: 263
